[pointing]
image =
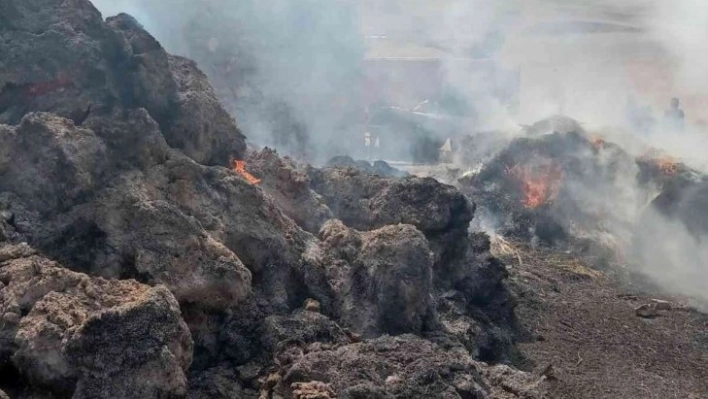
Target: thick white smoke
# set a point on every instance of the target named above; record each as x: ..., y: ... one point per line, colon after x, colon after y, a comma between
x: 682, y: 27
x: 288, y: 70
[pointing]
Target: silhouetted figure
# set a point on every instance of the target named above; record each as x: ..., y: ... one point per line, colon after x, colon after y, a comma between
x: 674, y: 117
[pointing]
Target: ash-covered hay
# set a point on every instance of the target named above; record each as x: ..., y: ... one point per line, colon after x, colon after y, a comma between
x: 559, y: 189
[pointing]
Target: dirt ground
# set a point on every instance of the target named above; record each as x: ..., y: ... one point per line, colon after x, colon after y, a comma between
x: 583, y: 323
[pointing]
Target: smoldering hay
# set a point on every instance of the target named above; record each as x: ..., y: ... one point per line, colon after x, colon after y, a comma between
x: 578, y: 192
x: 135, y: 262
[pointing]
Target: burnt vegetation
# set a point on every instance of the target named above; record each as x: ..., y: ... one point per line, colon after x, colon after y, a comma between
x: 169, y: 262
x: 146, y: 252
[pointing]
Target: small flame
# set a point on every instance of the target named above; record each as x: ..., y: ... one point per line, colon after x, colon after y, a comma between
x: 666, y: 164
x: 240, y: 169
x: 540, y: 185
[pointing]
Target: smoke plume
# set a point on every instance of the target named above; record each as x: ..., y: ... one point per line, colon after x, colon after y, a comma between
x: 287, y: 70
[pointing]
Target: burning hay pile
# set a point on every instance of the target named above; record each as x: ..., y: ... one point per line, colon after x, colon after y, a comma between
x: 584, y: 226
x: 569, y: 191
x: 145, y: 253
x: 138, y: 260
x: 556, y: 189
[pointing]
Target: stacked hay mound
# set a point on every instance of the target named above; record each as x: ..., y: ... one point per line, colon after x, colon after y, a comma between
x: 563, y: 190
x: 135, y: 263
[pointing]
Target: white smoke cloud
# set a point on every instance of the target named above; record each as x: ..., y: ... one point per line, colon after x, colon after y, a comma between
x: 283, y: 68
x: 682, y: 27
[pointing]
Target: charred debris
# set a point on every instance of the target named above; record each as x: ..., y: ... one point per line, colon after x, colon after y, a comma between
x: 569, y: 190
x: 145, y: 252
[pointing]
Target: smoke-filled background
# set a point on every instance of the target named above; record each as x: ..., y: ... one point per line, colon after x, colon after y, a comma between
x: 302, y: 75
x: 310, y: 77
x: 287, y: 70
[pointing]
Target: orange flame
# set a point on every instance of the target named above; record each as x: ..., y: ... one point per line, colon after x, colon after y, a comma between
x: 666, y: 164
x: 540, y: 185
x: 240, y: 169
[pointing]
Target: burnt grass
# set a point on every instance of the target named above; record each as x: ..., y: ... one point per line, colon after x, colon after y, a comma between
x: 582, y: 322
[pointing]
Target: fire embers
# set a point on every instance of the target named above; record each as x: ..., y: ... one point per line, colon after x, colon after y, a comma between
x: 668, y: 166
x: 540, y: 182
x: 665, y: 165
x: 240, y: 168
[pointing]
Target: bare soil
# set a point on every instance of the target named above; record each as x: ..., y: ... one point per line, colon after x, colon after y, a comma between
x: 582, y: 322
